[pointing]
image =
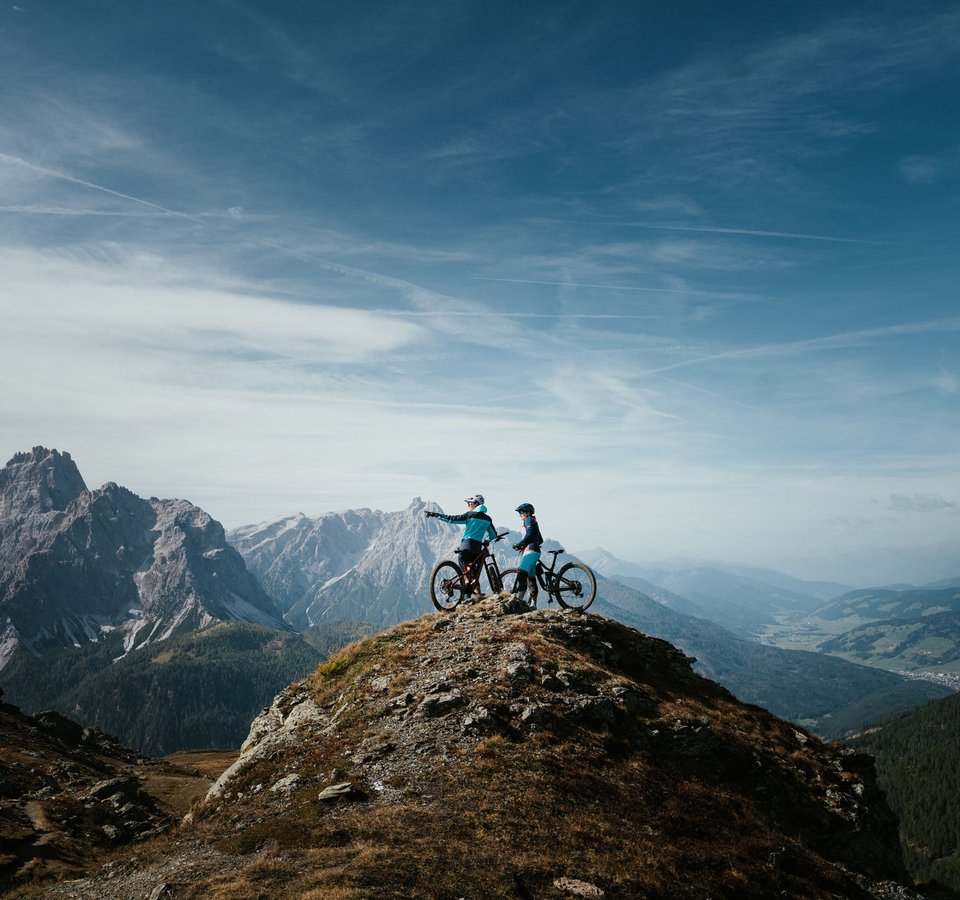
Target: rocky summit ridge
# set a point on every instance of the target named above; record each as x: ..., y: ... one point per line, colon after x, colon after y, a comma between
x: 77, y: 564
x: 488, y: 753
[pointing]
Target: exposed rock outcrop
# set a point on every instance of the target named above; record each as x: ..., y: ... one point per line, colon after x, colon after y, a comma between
x: 486, y: 754
x: 69, y: 794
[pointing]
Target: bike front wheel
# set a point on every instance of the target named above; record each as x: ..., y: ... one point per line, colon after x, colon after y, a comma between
x: 446, y: 585
x: 495, y: 577
x: 574, y: 586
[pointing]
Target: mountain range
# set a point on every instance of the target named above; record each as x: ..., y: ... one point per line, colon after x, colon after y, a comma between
x: 881, y: 604
x: 923, y: 564
x: 365, y: 565
x: 744, y: 599
x: 362, y: 565
x: 77, y: 564
x: 143, y: 618
x: 89, y: 577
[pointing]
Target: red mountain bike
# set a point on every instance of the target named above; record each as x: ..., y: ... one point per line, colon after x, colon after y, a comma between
x: 448, y: 583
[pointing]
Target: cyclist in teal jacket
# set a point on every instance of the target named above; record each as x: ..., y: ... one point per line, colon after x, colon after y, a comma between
x: 478, y: 528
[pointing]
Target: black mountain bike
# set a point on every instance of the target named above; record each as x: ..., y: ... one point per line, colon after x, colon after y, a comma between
x: 573, y: 587
x: 448, y: 584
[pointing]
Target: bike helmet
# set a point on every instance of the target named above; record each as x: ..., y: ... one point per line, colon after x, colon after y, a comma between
x: 526, y: 508
x: 476, y: 498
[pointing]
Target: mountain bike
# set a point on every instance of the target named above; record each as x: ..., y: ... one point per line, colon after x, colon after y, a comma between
x: 573, y: 587
x: 448, y: 583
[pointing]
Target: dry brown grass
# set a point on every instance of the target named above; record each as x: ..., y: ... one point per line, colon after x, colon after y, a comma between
x: 508, y: 814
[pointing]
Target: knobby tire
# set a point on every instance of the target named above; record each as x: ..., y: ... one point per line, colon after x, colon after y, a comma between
x: 574, y: 586
x: 509, y: 577
x: 446, y: 586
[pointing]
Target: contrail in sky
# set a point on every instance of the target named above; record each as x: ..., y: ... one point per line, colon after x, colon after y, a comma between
x: 67, y: 211
x: 62, y: 176
x: 828, y: 342
x: 709, y: 229
x: 612, y: 287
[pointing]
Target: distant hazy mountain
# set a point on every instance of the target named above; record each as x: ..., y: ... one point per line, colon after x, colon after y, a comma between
x: 891, y: 565
x: 658, y: 572
x: 77, y: 564
x: 926, y: 643
x: 944, y: 583
x: 741, y: 598
x: 604, y: 562
x: 662, y: 595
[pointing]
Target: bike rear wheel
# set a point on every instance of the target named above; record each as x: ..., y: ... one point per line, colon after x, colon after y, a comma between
x: 574, y: 586
x: 446, y: 585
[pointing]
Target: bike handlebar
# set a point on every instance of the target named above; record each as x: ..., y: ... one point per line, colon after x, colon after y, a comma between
x: 490, y: 541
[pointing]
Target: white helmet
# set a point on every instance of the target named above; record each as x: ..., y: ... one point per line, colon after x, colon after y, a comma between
x: 476, y: 498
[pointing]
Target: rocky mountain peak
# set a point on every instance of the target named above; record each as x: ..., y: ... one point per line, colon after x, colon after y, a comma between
x: 78, y: 565
x: 486, y: 753
x: 40, y: 480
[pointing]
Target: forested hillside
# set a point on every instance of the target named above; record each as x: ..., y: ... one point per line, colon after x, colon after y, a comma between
x: 192, y: 692
x: 918, y: 765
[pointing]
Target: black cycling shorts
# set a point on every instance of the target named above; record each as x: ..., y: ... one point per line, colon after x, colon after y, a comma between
x: 469, y: 551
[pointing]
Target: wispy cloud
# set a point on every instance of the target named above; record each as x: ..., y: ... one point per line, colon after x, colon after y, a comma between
x: 130, y: 305
x: 543, y: 257
x: 922, y: 503
x: 611, y: 287
x: 947, y: 381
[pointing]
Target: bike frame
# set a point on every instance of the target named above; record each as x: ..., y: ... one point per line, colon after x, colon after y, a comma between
x: 573, y: 586
x: 543, y: 574
x: 487, y: 562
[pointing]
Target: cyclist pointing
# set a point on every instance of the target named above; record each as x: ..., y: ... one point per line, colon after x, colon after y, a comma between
x: 479, y: 527
x: 530, y: 544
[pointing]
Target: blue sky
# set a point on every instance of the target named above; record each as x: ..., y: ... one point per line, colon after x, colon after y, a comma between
x: 685, y: 276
